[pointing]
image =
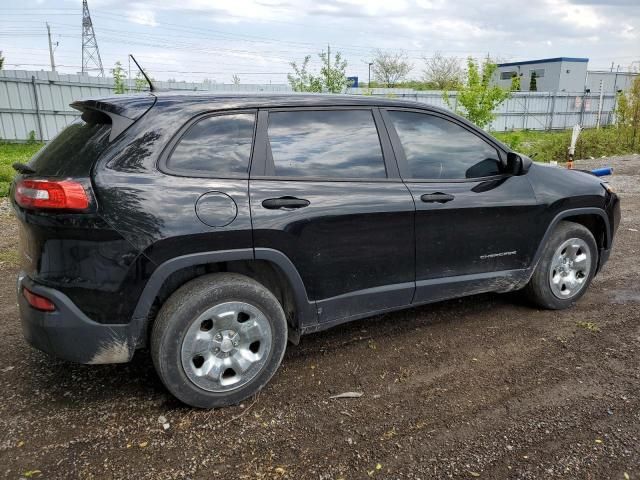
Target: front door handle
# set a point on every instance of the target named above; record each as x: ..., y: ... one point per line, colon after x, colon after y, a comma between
x: 436, y: 197
x: 284, y: 203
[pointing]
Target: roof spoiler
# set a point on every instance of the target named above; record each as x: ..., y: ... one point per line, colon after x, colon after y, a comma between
x: 123, y: 112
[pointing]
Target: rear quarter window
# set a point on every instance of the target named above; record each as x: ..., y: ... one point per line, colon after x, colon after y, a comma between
x: 216, y: 145
x: 73, y: 152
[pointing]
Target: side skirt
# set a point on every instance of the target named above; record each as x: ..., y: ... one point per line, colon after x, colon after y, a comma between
x: 429, y: 291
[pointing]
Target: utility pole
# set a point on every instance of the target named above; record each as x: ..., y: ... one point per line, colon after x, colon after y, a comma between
x: 90, y: 54
x: 369, y: 84
x: 600, y: 104
x: 53, y: 63
x: 328, y: 62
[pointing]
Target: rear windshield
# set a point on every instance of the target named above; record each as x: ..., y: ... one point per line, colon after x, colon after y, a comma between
x: 73, y: 151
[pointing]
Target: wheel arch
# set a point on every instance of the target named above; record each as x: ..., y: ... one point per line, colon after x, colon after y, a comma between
x: 270, y: 267
x: 593, y: 218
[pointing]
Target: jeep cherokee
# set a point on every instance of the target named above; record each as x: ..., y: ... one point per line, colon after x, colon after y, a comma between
x: 213, y: 229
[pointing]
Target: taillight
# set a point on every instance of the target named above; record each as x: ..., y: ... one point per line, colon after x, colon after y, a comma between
x: 63, y: 194
x: 38, y: 302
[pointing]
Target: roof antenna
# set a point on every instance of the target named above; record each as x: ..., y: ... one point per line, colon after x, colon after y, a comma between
x: 151, y: 87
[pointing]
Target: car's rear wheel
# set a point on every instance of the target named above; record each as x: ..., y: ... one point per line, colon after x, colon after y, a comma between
x: 218, y: 340
x: 566, y: 268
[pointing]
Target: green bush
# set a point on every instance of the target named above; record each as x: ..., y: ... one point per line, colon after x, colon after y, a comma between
x: 548, y: 146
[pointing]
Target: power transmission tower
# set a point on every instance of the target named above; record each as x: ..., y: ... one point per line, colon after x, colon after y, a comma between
x: 91, y: 60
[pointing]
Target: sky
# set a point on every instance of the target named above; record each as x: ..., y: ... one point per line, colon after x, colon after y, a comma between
x: 257, y: 39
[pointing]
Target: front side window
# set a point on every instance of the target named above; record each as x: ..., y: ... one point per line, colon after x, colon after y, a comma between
x: 217, y: 145
x: 325, y: 143
x: 436, y: 148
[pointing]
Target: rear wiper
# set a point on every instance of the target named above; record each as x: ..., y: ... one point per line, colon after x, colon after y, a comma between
x: 22, y: 168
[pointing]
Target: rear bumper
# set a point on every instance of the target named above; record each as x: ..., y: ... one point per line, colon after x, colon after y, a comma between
x: 68, y: 333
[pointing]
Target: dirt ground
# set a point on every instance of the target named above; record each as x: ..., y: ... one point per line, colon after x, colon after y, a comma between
x: 481, y: 387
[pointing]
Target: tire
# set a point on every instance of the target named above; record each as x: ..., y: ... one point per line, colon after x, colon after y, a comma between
x: 560, y: 279
x: 211, y: 327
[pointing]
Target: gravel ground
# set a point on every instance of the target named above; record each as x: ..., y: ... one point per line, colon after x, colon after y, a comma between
x: 480, y: 387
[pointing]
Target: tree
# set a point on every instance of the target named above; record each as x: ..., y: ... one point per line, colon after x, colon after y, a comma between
x: 140, y: 83
x: 515, y: 83
x: 119, y: 77
x: 235, y: 79
x: 390, y: 68
x: 1, y: 60
x: 533, y: 84
x: 622, y: 110
x: 628, y: 112
x: 477, y: 96
x: 443, y: 73
x: 332, y: 77
x: 301, y: 80
x: 634, y: 93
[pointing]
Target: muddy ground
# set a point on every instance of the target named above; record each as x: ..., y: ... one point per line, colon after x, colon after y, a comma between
x: 481, y: 387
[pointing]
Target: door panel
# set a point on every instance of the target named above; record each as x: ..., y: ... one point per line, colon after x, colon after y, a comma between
x: 488, y: 226
x: 471, y: 233
x: 352, y: 241
x: 352, y: 236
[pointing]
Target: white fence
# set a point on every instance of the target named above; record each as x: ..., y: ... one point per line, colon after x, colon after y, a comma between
x: 39, y: 102
x: 524, y: 110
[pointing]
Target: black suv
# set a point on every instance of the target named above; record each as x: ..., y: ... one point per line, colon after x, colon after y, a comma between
x: 213, y: 229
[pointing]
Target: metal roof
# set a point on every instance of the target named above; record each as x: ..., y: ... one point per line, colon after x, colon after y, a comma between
x: 545, y: 60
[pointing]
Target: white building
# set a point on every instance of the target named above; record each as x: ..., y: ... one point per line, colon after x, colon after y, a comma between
x: 561, y: 74
x: 611, y: 81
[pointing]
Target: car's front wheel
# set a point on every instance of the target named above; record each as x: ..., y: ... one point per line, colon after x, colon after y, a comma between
x: 565, y: 269
x: 218, y: 340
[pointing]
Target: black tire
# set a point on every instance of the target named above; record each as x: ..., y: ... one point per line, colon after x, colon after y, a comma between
x: 538, y: 290
x: 178, y: 314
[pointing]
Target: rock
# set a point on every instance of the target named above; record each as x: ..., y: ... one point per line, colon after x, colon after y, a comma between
x: 347, y: 395
x: 162, y: 419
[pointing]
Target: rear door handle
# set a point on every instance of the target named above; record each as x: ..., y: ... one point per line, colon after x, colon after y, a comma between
x: 284, y: 202
x: 436, y: 197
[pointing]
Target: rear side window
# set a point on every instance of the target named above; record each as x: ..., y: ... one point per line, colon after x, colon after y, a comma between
x: 75, y: 149
x: 325, y: 143
x: 436, y: 148
x: 217, y: 145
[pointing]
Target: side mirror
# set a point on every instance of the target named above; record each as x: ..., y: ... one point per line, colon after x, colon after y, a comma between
x: 517, y: 164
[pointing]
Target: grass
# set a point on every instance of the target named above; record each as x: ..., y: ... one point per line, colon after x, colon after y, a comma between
x: 10, y: 256
x: 547, y: 146
x: 590, y: 326
x: 9, y: 154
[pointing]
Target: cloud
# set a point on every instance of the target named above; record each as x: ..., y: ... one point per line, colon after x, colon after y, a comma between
x: 236, y: 36
x: 142, y: 17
